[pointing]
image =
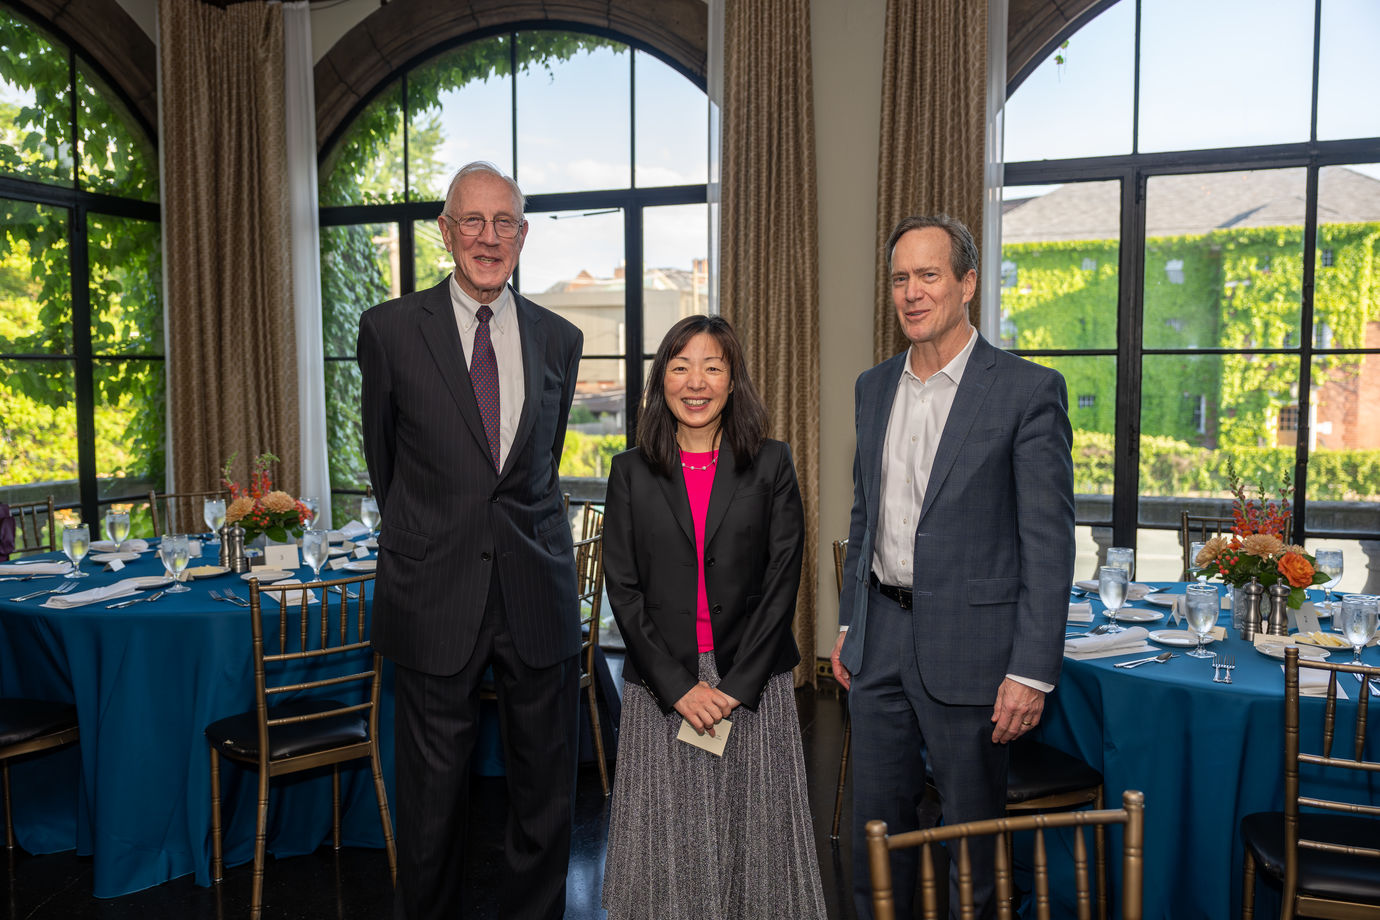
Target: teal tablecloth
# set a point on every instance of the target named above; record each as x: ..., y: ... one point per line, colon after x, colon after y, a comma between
x: 135, y: 793
x: 1204, y: 754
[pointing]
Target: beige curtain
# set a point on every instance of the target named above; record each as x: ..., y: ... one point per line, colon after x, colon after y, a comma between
x: 769, y: 289
x: 232, y: 382
x: 934, y: 98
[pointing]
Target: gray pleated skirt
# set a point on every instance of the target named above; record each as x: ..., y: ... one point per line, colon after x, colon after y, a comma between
x: 698, y: 837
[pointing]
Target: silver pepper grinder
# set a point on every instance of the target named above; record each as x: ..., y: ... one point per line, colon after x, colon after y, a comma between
x: 1254, y: 593
x: 233, y: 547
x: 223, y: 533
x: 1279, y: 610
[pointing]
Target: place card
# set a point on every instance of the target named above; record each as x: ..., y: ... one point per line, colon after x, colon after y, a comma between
x: 1305, y: 619
x: 282, y: 556
x: 114, y: 565
x: 713, y: 744
x: 361, y: 552
x: 339, y: 562
x: 1176, y: 613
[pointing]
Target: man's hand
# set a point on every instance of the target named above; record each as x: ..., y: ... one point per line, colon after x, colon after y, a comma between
x: 702, y: 706
x: 840, y: 672
x: 1017, y: 710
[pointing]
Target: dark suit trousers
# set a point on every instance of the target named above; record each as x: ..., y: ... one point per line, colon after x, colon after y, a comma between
x: 437, y: 721
x: 896, y: 725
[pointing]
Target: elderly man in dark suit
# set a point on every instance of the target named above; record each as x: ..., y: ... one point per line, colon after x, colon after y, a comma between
x: 960, y: 554
x: 466, y: 391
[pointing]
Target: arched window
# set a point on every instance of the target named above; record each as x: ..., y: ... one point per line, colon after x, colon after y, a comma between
x: 1193, y: 200
x: 81, y: 306
x: 609, y: 143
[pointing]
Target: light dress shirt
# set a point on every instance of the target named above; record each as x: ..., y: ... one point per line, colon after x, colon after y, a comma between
x: 503, y: 333
x: 918, y: 416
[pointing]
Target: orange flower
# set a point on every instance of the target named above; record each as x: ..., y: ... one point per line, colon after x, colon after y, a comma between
x: 1297, y: 569
x: 238, y: 509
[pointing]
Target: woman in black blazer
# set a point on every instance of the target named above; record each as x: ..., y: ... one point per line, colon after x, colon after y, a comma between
x: 703, y: 535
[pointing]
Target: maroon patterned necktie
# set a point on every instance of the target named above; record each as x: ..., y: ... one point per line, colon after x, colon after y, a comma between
x: 484, y: 375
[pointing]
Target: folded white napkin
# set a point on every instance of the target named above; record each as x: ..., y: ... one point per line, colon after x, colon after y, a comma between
x: 120, y: 588
x: 1080, y: 613
x: 36, y: 568
x: 289, y: 597
x: 1134, y: 591
x: 1135, y: 636
x: 353, y: 529
x: 1313, y: 682
x: 134, y: 546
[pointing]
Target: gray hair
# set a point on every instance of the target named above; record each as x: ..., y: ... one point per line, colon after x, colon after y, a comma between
x: 963, y: 252
x: 483, y: 166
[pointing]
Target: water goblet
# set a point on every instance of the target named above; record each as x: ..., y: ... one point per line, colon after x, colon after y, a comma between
x: 315, y: 550
x: 1330, y: 564
x: 1202, y: 607
x: 1358, y: 621
x: 213, y: 510
x: 1123, y: 557
x: 1111, y: 588
x: 314, y: 506
x: 116, y: 526
x: 174, y: 552
x: 75, y: 541
x: 369, y: 513
x: 1195, y: 549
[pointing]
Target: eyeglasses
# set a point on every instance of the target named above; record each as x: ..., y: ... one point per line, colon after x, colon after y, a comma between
x: 506, y: 227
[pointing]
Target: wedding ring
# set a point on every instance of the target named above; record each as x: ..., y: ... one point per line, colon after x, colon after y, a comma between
x: 1024, y: 722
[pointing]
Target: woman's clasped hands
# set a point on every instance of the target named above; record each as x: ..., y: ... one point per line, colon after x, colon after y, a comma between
x: 703, y: 706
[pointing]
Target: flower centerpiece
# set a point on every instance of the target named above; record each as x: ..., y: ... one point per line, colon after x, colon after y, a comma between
x: 260, y: 509
x: 1256, y: 547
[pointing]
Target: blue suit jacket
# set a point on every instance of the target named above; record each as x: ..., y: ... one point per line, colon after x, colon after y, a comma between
x: 994, y: 542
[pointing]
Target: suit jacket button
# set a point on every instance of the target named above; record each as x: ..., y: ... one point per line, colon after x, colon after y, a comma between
x: 493, y: 499
x: 485, y: 557
x: 709, y: 563
x: 717, y: 609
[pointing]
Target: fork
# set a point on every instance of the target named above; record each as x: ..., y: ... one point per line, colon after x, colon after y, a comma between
x: 60, y: 589
x: 351, y: 594
x: 234, y: 598
x: 1217, y: 669
x: 216, y: 596
x: 1230, y: 666
x: 25, y: 577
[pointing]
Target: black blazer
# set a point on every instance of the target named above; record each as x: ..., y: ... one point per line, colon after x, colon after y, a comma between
x: 450, y: 521
x: 754, y: 538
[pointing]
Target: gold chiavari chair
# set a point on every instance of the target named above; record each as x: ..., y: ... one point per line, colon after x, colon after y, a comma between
x: 589, y: 576
x: 591, y: 520
x: 1131, y: 815
x: 181, y: 512
x: 1325, y: 860
x: 311, y: 650
x: 26, y: 727
x: 32, y: 520
x: 1201, y: 528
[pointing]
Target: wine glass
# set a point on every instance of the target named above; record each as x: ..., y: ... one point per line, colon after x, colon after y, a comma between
x: 116, y: 526
x: 213, y: 510
x: 174, y: 551
x: 1194, y: 550
x: 314, y: 506
x: 369, y: 513
x: 1330, y: 564
x: 315, y: 550
x: 1358, y: 621
x: 1202, y: 609
x: 75, y: 541
x: 1111, y: 588
x: 1123, y: 557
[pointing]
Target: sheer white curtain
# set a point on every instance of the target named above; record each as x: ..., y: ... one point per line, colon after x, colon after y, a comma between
x: 992, y: 171
x: 306, y: 253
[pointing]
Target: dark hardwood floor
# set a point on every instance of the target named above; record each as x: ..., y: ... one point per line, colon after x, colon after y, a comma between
x: 353, y: 884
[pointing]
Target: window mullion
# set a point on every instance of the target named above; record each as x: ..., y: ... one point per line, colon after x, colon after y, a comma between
x: 83, y: 371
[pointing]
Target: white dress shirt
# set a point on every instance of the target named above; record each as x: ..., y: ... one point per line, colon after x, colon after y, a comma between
x: 503, y: 333
x: 918, y: 415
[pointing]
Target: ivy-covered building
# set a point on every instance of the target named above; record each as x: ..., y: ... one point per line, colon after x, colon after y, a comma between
x: 1223, y: 269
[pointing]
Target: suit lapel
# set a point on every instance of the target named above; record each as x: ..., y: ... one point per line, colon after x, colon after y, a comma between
x: 972, y: 390
x: 438, y: 330
x: 678, y: 500
x: 726, y: 481
x: 874, y: 437
x: 532, y: 334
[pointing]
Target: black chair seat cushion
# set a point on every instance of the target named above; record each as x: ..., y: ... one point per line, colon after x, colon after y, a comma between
x: 238, y: 736
x: 1326, y: 875
x: 24, y: 720
x: 1038, y: 770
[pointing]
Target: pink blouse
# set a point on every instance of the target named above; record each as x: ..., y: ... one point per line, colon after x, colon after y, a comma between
x: 698, y: 484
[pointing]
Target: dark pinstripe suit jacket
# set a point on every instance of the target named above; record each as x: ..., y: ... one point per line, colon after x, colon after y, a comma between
x: 994, y: 542
x: 450, y: 521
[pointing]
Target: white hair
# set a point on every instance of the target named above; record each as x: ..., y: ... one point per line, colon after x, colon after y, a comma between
x: 483, y: 166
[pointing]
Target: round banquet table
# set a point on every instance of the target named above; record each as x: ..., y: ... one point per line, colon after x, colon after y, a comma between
x: 1204, y: 754
x: 134, y: 793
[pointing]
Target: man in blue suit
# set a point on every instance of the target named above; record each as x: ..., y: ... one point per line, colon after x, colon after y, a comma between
x: 960, y: 554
